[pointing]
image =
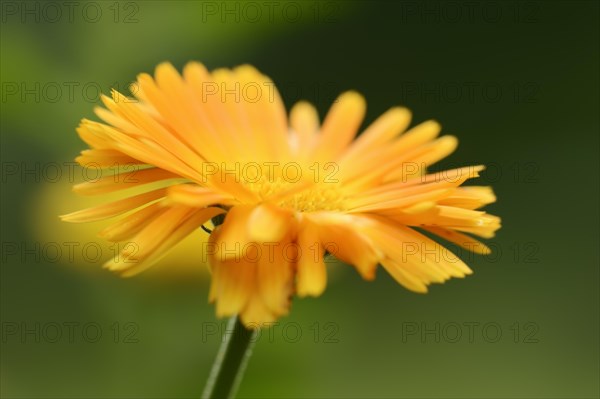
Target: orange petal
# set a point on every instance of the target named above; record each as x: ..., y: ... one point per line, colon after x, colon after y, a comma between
x: 268, y: 223
x: 311, y: 278
x: 340, y: 234
x: 462, y: 240
x: 132, y: 224
x: 304, y: 121
x: 275, y: 277
x: 196, y: 196
x: 105, y: 158
x: 115, y: 208
x: 233, y: 233
x: 235, y: 284
x: 379, y: 133
x: 257, y: 314
x: 340, y: 125
x: 134, y: 265
x: 119, y: 181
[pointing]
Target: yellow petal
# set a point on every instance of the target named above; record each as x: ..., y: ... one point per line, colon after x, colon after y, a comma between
x: 340, y: 125
x: 257, y: 314
x: 471, y: 197
x: 414, y: 253
x: 115, y: 208
x: 439, y: 149
x: 191, y: 223
x: 385, y: 128
x: 132, y: 224
x: 233, y: 237
x: 133, y: 177
x: 147, y: 151
x: 417, y: 136
x: 155, y: 233
x: 304, y: 121
x: 462, y: 240
x: 406, y: 279
x: 268, y: 223
x: 196, y: 196
x: 265, y: 114
x: 311, y: 278
x: 406, y: 201
x: 275, y: 277
x: 105, y: 158
x: 235, y: 284
x: 341, y: 236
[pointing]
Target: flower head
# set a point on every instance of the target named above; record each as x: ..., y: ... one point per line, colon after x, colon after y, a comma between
x: 290, y: 188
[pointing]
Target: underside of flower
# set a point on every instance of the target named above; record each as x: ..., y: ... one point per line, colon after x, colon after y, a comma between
x: 290, y: 187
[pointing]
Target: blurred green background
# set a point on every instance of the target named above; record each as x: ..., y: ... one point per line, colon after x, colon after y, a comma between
x: 517, y: 82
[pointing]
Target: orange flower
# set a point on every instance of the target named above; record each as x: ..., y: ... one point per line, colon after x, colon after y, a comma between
x: 289, y: 188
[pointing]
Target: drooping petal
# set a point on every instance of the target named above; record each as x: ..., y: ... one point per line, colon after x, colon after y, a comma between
x: 268, y: 223
x: 235, y: 284
x: 415, y: 254
x: 257, y: 314
x: 233, y: 239
x: 311, y: 276
x: 341, y: 235
x: 404, y: 277
x: 275, y: 275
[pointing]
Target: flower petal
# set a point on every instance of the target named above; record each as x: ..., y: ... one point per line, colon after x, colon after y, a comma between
x: 132, y: 177
x: 158, y: 238
x: 275, y: 276
x: 131, y: 224
x: 311, y: 278
x: 340, y: 125
x: 379, y: 133
x: 196, y: 196
x: 341, y: 235
x: 268, y: 223
x: 115, y: 208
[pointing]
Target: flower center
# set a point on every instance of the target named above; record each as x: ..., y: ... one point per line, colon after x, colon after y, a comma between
x: 321, y: 197
x: 300, y: 196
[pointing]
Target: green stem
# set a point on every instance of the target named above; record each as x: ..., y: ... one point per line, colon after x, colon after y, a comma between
x: 228, y: 368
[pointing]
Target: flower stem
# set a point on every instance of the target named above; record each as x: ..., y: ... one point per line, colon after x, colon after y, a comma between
x: 228, y: 369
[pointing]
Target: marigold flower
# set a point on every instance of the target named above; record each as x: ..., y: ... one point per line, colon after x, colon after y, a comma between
x: 290, y: 188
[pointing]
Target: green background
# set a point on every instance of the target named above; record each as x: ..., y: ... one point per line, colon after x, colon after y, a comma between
x: 517, y: 82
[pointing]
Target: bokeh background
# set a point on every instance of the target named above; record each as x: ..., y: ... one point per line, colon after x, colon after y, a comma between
x: 517, y: 82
